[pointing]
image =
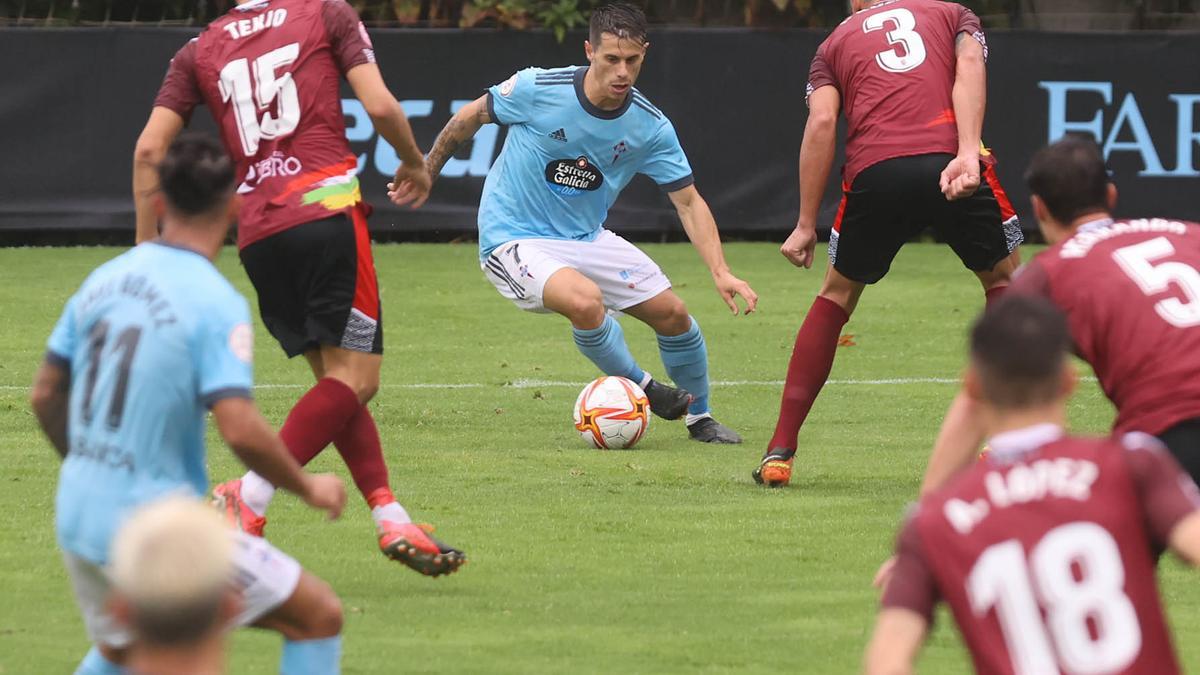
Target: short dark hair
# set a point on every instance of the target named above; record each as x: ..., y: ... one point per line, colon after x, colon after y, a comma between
x: 622, y: 19
x: 196, y: 175
x: 1070, y: 177
x: 1019, y: 347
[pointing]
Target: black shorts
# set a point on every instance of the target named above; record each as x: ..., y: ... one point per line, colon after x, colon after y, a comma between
x: 316, y: 285
x: 1183, y: 440
x: 894, y: 200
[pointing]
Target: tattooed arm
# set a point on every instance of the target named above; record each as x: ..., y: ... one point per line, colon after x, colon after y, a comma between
x: 460, y: 129
x: 961, y: 177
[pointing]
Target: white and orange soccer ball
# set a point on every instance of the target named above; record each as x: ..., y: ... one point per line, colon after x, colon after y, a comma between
x: 612, y: 413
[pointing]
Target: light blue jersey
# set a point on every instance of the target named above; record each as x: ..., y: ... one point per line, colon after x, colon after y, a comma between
x: 152, y: 338
x: 565, y: 161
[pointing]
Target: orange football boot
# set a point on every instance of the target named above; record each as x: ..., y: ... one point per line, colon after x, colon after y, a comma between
x: 775, y: 470
x: 411, y: 545
x: 228, y: 497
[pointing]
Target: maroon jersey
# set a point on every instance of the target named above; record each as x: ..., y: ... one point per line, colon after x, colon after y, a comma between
x: 1045, y: 552
x: 894, y: 65
x: 1131, y: 293
x: 270, y: 71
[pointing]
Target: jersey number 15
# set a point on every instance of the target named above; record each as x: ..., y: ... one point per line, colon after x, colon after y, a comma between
x: 249, y: 98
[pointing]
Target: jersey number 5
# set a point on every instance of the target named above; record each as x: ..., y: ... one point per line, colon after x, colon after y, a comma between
x: 1138, y: 262
x: 251, y: 98
x: 901, y: 31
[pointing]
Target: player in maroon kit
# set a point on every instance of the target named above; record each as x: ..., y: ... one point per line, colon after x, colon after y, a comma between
x: 1131, y: 292
x: 269, y: 71
x: 910, y: 75
x: 1045, y: 550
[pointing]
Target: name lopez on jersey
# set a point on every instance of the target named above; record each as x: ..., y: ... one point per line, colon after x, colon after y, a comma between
x: 569, y: 177
x: 1061, y: 478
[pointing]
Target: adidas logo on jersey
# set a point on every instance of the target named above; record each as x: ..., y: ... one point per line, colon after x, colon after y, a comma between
x: 560, y: 135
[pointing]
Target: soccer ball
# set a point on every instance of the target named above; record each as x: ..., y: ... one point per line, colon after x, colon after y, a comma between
x: 612, y: 413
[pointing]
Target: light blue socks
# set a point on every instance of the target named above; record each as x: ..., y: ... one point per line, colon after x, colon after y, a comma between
x: 95, y: 664
x: 606, y: 347
x: 686, y: 359
x: 312, y: 657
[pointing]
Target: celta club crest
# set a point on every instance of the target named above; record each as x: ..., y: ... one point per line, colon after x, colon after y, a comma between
x: 618, y: 150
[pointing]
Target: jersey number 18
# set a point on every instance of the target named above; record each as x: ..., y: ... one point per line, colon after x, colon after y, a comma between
x: 1005, y: 580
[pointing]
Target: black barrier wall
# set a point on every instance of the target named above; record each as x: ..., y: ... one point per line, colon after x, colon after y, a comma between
x: 73, y: 101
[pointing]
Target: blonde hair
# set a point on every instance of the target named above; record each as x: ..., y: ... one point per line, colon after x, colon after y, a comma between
x: 173, y: 563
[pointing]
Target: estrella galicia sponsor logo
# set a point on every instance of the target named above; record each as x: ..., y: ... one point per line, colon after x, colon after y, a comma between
x: 570, y: 177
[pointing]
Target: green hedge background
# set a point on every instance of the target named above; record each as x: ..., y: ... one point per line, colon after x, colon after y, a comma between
x: 560, y: 16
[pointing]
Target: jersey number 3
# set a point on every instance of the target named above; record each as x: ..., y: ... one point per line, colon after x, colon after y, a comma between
x: 251, y: 98
x: 900, y: 25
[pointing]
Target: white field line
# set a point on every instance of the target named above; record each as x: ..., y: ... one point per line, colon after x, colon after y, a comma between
x: 534, y: 384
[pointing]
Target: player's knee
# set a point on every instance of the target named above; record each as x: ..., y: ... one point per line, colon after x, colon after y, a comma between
x: 363, y: 382
x: 367, y: 387
x: 586, y: 308
x: 675, y: 320
x: 115, y: 655
x: 326, y: 617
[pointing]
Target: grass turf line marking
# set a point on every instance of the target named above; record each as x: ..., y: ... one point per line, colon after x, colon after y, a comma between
x: 533, y: 384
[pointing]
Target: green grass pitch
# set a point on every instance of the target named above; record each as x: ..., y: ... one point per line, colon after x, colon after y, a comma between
x: 663, y: 559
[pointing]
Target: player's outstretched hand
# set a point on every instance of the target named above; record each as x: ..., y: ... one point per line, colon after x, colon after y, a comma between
x: 326, y: 492
x: 800, y: 246
x: 884, y: 575
x: 960, y: 178
x: 411, y: 185
x: 730, y: 287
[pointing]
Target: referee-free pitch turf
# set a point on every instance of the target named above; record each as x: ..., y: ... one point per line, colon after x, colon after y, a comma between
x: 663, y: 559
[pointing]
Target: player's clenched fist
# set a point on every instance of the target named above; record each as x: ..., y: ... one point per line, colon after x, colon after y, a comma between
x: 961, y: 177
x: 411, y: 185
x: 800, y: 244
x: 325, y: 492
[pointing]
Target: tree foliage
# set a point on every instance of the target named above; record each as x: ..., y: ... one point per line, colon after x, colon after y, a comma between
x: 560, y: 16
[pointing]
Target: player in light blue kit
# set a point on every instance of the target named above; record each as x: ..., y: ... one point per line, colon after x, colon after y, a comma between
x: 576, y: 137
x: 152, y: 340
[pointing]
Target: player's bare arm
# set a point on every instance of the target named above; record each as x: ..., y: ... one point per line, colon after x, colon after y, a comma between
x: 958, y: 440
x: 701, y: 229
x: 816, y: 161
x: 411, y: 184
x: 899, y: 634
x: 162, y: 128
x: 51, y: 392
x: 1185, y: 539
x: 961, y: 177
x: 460, y: 129
x: 260, y: 449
